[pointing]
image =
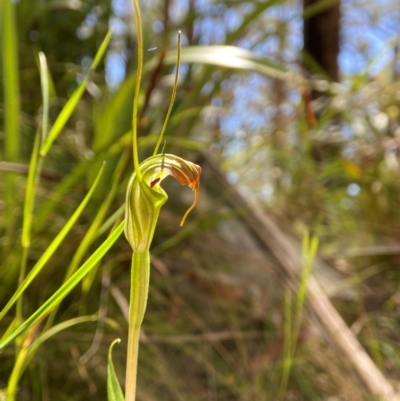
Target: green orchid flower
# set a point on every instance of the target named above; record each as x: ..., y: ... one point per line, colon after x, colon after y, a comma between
x: 145, y: 197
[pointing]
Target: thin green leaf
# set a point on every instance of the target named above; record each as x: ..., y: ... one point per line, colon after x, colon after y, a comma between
x: 309, y: 251
x: 171, y: 103
x: 34, y: 167
x: 57, y: 329
x: 10, y: 82
x: 114, y: 391
x: 52, y: 247
x: 44, y: 84
x: 10, y: 329
x: 67, y: 287
x: 135, y: 149
x: 74, y: 99
x: 11, y: 103
x: 287, y: 345
x: 111, y: 221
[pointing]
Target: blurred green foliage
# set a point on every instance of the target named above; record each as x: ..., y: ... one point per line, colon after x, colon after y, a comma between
x: 214, y: 327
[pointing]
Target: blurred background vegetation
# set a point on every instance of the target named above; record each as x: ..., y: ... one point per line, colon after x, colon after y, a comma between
x: 306, y: 125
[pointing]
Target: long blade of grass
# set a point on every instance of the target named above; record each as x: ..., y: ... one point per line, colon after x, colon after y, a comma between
x: 110, y: 221
x: 33, y: 173
x: 10, y: 82
x: 31, y: 184
x: 67, y: 287
x: 74, y: 99
x: 171, y: 103
x: 287, y: 345
x: 52, y: 247
x: 44, y: 84
x: 114, y: 392
x: 309, y: 252
x: 52, y: 331
x: 135, y: 149
x: 14, y: 324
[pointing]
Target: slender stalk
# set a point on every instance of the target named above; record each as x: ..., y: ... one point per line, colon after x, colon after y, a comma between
x: 22, y: 271
x: 32, y: 182
x: 11, y: 114
x: 172, y: 101
x: 287, y: 345
x: 137, y: 88
x: 16, y: 374
x: 140, y: 276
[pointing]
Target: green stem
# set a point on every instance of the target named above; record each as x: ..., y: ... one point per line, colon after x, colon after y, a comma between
x: 137, y: 88
x: 22, y: 271
x: 140, y: 277
x: 16, y: 374
x: 171, y: 103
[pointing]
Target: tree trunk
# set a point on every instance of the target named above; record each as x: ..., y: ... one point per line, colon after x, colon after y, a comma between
x: 321, y: 38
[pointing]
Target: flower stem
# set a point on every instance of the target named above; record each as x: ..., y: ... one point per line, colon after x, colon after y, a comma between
x: 140, y: 275
x: 137, y: 88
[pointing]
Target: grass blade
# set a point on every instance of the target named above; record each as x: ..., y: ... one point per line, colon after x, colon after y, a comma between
x: 11, y: 99
x: 44, y: 83
x: 10, y: 82
x: 57, y: 329
x: 34, y: 167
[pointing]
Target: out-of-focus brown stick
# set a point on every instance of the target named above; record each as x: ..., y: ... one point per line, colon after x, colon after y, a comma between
x: 289, y: 260
x: 46, y: 174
